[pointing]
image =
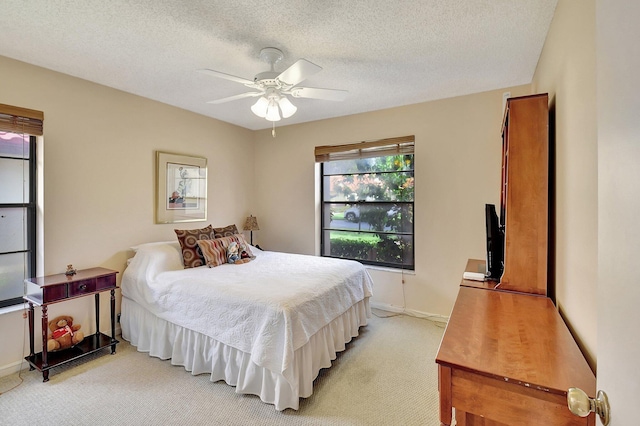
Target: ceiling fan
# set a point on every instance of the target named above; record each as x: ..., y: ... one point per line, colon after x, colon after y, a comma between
x: 273, y: 87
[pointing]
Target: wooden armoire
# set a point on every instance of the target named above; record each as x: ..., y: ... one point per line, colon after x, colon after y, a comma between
x: 524, y: 197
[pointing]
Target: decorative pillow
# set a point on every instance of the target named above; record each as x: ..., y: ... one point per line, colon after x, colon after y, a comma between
x: 188, y: 239
x: 215, y: 251
x: 226, y: 231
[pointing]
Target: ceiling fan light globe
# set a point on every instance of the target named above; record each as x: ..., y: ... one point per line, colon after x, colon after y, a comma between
x: 260, y: 107
x: 272, y: 112
x: 288, y: 109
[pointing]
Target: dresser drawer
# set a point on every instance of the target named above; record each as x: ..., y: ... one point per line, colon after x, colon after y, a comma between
x: 108, y: 281
x: 54, y: 292
x: 79, y: 288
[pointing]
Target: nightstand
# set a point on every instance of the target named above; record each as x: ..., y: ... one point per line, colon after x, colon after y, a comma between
x: 59, y: 288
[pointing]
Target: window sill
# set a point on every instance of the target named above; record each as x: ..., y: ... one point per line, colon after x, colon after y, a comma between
x: 13, y: 308
x: 392, y: 270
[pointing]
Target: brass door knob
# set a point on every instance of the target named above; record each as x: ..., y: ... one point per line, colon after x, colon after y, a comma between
x: 581, y: 405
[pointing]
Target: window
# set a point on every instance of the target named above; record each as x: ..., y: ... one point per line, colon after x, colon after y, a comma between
x: 368, y: 202
x: 17, y: 200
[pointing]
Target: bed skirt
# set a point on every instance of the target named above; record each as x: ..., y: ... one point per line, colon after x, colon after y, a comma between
x: 200, y: 354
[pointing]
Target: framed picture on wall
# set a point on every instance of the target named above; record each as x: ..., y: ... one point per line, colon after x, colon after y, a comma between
x: 181, y: 188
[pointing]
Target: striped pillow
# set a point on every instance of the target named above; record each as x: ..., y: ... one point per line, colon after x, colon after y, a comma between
x: 215, y: 251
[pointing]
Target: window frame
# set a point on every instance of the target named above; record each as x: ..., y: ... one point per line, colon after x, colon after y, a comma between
x: 31, y: 208
x: 324, y: 228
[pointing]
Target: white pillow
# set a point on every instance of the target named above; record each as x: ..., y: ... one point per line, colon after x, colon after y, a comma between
x: 158, y: 257
x: 139, y: 246
x: 150, y: 260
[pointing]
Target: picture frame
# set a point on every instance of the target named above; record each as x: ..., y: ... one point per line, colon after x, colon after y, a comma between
x: 181, y: 188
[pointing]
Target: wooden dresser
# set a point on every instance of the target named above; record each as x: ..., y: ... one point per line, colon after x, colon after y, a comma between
x: 507, y: 358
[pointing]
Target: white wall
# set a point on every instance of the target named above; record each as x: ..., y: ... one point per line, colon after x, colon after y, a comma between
x: 457, y: 160
x: 618, y: 205
x: 99, y: 149
x: 567, y: 71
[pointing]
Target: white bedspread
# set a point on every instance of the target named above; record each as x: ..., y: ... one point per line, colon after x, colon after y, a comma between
x: 268, y: 307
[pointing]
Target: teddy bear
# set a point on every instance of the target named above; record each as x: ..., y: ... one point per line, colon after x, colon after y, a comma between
x: 237, y: 253
x: 233, y: 252
x: 63, y: 333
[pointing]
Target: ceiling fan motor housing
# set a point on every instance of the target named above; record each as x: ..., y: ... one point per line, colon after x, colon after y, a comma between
x: 267, y: 78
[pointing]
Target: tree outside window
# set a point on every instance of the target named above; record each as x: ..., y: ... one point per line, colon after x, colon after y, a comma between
x: 368, y: 210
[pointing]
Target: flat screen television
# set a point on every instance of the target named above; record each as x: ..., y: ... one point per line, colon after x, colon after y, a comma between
x: 495, y: 244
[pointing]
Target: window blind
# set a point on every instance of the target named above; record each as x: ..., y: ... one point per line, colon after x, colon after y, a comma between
x: 367, y: 149
x: 22, y: 120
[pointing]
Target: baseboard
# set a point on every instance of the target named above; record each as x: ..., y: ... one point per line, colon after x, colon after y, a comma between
x: 387, y: 307
x: 411, y: 312
x: 13, y: 368
x: 433, y: 317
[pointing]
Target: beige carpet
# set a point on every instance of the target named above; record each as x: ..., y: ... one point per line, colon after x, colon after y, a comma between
x: 387, y: 376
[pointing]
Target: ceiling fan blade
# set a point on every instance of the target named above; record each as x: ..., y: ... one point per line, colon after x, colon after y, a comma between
x: 219, y: 74
x: 298, y: 72
x: 324, y: 94
x: 236, y: 97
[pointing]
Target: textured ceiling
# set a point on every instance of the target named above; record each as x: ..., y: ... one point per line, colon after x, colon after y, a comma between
x: 385, y: 53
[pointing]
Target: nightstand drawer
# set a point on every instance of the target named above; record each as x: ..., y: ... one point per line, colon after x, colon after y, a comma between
x: 79, y: 288
x: 105, y: 282
x: 54, y: 292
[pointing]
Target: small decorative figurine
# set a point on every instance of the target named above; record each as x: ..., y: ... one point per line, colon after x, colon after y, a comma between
x: 70, y: 270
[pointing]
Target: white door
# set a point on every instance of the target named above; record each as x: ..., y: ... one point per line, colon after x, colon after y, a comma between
x: 618, y: 99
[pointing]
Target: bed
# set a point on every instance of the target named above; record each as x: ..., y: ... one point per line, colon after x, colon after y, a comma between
x: 266, y: 327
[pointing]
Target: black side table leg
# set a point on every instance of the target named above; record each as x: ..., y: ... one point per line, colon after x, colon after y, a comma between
x: 31, y: 336
x: 45, y: 327
x: 113, y: 322
x: 97, y: 297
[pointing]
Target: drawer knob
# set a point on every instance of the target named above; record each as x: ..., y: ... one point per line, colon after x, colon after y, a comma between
x: 82, y: 287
